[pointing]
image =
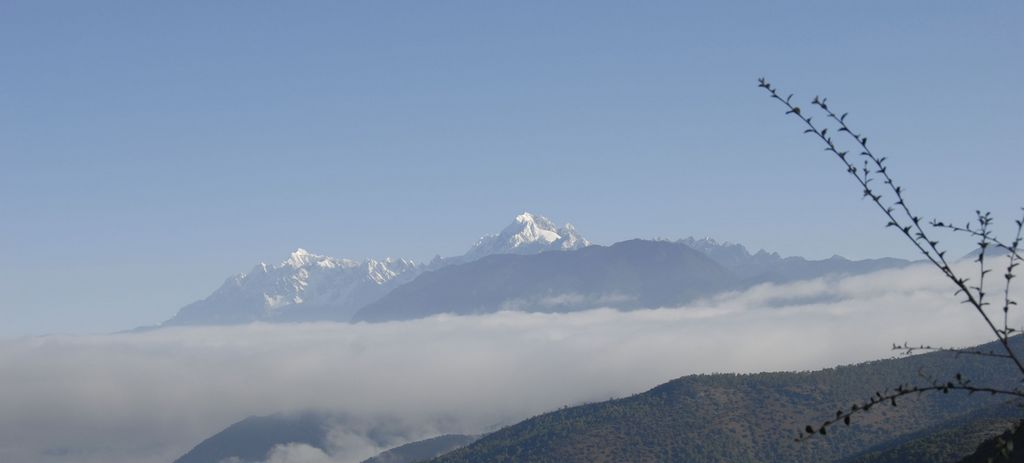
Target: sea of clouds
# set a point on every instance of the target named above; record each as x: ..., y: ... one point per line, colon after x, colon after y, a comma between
x: 151, y: 396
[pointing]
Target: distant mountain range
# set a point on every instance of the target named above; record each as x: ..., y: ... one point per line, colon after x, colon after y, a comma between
x: 770, y: 267
x: 719, y: 417
x: 532, y: 264
x: 312, y: 287
x: 627, y: 275
x: 305, y: 287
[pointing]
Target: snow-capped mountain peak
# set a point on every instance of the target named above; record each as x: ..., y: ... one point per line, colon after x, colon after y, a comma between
x: 299, y: 258
x: 527, y: 234
x: 302, y: 258
x: 528, y: 228
x: 324, y: 287
x: 308, y: 286
x: 571, y: 239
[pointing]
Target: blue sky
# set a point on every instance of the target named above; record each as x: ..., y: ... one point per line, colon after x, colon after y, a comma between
x: 150, y: 150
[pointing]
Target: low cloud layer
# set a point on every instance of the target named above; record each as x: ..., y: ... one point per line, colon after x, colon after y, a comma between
x: 149, y: 397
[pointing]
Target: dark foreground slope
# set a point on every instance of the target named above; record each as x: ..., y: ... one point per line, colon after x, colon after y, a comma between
x: 950, y: 441
x: 1007, y: 447
x: 743, y: 418
x: 424, y: 449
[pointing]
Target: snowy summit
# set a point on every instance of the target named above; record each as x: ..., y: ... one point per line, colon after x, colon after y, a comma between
x: 528, y: 234
x: 312, y: 287
x: 304, y: 287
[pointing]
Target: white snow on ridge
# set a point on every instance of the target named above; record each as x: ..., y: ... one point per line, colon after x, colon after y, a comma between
x: 532, y: 229
x: 308, y: 286
x: 303, y: 280
x: 528, y: 234
x: 302, y: 258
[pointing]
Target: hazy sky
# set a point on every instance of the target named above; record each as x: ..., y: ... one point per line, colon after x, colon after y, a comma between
x: 149, y: 150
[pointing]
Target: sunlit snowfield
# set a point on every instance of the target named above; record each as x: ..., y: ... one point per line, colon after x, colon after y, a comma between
x: 150, y: 397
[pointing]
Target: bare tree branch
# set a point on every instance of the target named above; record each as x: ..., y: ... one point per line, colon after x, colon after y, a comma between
x: 875, y: 165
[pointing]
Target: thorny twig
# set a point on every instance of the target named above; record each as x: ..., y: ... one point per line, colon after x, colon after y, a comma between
x: 908, y: 350
x: 910, y: 226
x: 889, y: 397
x: 913, y: 231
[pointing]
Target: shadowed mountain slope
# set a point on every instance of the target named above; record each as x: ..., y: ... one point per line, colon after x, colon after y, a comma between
x: 744, y: 418
x: 949, y: 441
x: 312, y: 287
x: 770, y: 267
x: 626, y: 275
x: 252, y: 438
x: 424, y: 449
x: 630, y: 274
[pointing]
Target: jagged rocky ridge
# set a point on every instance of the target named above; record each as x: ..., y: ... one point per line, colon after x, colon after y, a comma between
x: 631, y: 274
x: 769, y: 267
x: 312, y: 287
x: 507, y: 270
x: 304, y: 287
x: 627, y: 275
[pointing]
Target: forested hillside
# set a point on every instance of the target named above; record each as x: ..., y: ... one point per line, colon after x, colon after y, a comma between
x: 745, y: 418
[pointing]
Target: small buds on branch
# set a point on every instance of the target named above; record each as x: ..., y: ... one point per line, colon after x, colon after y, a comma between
x: 900, y: 217
x: 907, y: 350
x: 910, y: 224
x: 888, y: 398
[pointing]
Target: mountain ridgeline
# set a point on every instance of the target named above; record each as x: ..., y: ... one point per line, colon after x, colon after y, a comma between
x: 531, y: 265
x: 253, y: 439
x: 627, y: 275
x: 422, y: 450
x: 754, y: 418
x: 698, y: 418
x: 305, y: 287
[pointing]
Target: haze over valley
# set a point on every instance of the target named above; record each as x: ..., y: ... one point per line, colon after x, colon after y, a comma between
x: 555, y: 324
x: 513, y: 232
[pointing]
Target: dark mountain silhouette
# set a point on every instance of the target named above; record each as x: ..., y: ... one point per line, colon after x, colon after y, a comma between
x: 951, y: 441
x: 252, y: 438
x: 423, y: 450
x: 630, y: 274
x: 746, y: 418
x: 719, y: 417
x: 769, y: 267
x: 627, y: 275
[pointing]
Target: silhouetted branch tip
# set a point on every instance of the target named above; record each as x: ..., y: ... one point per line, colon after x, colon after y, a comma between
x: 899, y: 216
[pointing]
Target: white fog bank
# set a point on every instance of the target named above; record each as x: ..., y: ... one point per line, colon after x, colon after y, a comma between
x: 150, y: 397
